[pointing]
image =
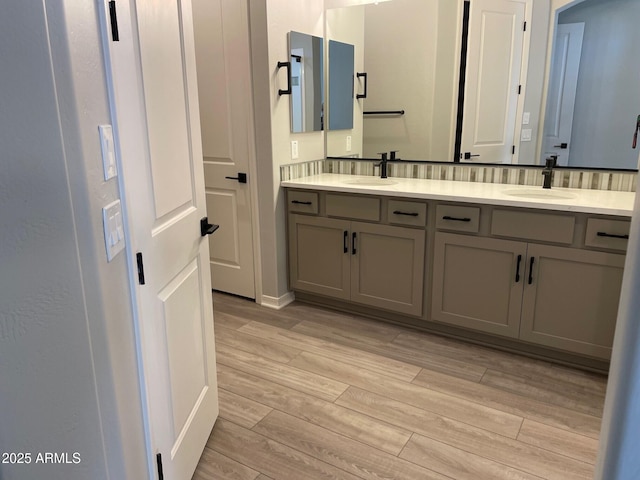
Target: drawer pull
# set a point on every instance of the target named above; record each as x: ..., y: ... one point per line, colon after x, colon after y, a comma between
x: 298, y: 202
x: 465, y: 219
x: 346, y: 241
x: 353, y: 243
x: 518, y: 268
x: 611, y: 235
x: 409, y: 214
x: 531, y: 270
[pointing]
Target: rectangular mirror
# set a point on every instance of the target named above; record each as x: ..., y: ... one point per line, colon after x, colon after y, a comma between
x: 307, y: 82
x: 413, y: 54
x: 341, y: 76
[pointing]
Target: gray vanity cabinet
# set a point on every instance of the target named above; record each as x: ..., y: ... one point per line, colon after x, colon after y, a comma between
x: 476, y: 283
x: 565, y: 298
x: 387, y: 268
x: 377, y: 265
x: 319, y: 255
x: 572, y: 300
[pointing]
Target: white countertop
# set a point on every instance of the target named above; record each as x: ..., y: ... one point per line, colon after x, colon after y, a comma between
x: 586, y: 201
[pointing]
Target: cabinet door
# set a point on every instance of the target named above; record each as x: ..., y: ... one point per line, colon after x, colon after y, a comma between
x: 387, y: 268
x: 478, y: 283
x: 319, y: 255
x: 572, y: 300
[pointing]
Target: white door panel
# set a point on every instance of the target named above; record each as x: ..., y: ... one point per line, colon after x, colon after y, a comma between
x: 224, y: 247
x: 561, y: 100
x: 494, y: 62
x: 176, y: 298
x: 224, y: 76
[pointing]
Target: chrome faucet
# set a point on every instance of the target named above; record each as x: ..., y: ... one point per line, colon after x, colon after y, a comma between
x: 548, y: 170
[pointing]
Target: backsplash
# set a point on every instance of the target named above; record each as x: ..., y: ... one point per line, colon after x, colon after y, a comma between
x: 513, y: 175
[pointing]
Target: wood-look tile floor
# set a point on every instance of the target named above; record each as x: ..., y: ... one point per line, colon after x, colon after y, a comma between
x: 308, y: 393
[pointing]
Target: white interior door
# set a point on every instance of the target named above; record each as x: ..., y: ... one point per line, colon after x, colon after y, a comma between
x: 494, y: 62
x: 226, y: 118
x: 561, y: 100
x: 154, y: 95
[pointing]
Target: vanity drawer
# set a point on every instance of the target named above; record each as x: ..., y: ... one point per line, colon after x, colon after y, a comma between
x: 407, y: 213
x: 533, y: 226
x: 351, y: 206
x: 611, y: 234
x: 458, y: 218
x: 302, y: 202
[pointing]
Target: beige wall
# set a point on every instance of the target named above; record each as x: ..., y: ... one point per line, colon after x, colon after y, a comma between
x: 270, y: 21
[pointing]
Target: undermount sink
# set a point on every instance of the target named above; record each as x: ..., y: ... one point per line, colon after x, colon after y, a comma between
x: 539, y: 193
x: 372, y: 182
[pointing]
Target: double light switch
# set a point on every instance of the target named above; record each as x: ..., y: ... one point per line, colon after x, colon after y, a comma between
x: 113, y: 229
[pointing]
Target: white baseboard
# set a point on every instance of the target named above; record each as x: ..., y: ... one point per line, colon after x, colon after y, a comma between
x: 277, y: 302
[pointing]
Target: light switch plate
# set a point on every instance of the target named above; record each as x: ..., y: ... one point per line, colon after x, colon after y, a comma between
x: 348, y: 143
x: 113, y: 229
x: 526, y: 118
x: 294, y: 149
x: 108, y: 151
x: 525, y: 136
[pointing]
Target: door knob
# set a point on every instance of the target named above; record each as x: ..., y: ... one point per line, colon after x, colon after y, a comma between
x: 241, y: 178
x: 562, y: 146
x: 207, y: 228
x: 467, y: 155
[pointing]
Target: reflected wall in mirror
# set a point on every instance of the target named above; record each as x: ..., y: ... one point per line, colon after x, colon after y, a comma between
x: 346, y: 25
x: 400, y: 46
x: 307, y: 82
x: 593, y: 96
x: 411, y: 52
x: 341, y: 64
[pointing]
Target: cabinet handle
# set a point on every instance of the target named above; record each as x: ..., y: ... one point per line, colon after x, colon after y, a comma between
x: 353, y: 243
x: 531, y: 270
x: 346, y: 241
x: 298, y: 202
x: 410, y: 214
x: 465, y: 219
x: 611, y: 235
x: 518, y: 268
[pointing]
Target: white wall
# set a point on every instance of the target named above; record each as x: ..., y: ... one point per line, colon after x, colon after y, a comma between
x: 446, y: 80
x: 607, y: 97
x: 534, y: 83
x: 67, y: 357
x: 270, y: 21
x: 347, y: 25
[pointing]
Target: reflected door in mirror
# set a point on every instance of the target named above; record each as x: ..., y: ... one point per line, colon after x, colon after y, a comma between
x: 561, y: 100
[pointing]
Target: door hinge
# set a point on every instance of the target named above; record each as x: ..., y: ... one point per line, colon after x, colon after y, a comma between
x: 159, y: 462
x: 519, y: 89
x: 115, y: 36
x: 524, y: 28
x: 513, y: 149
x: 140, y: 268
